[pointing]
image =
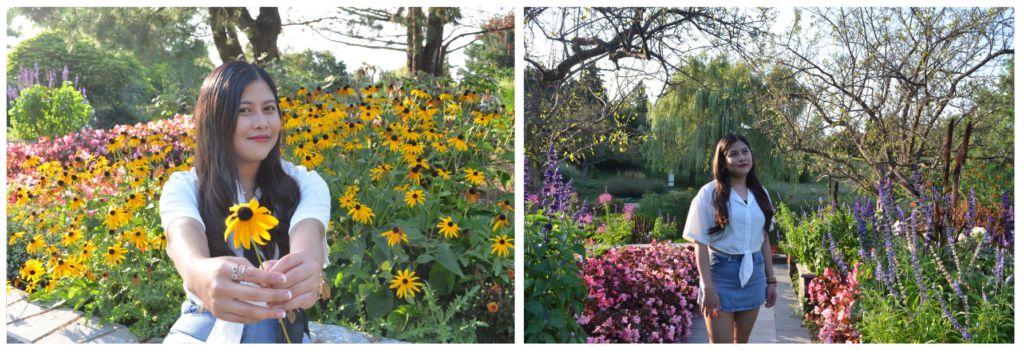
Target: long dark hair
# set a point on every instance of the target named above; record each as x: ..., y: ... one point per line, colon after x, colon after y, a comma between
x: 723, y: 185
x: 216, y: 118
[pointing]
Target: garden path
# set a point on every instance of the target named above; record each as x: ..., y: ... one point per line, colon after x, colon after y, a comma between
x: 776, y: 325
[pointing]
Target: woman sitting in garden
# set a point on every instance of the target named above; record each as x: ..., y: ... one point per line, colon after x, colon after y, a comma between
x: 238, y: 159
x: 730, y: 216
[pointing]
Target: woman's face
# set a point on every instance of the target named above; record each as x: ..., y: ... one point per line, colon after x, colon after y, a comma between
x: 738, y: 159
x: 258, y: 123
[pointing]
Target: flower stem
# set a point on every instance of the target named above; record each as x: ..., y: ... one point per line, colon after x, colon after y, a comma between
x: 279, y: 320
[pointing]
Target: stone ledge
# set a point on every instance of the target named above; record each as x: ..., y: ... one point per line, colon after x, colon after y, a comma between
x: 332, y: 334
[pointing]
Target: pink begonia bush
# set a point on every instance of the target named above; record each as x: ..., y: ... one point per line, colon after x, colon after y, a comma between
x: 640, y: 295
x: 833, y: 296
x: 93, y: 142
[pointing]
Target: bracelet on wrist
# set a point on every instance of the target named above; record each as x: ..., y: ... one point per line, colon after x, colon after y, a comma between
x: 771, y: 280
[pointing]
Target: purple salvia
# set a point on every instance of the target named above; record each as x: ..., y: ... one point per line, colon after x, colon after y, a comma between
x: 64, y: 74
x: 945, y: 309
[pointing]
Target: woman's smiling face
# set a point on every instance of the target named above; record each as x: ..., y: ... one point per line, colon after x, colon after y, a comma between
x: 738, y: 159
x: 258, y: 124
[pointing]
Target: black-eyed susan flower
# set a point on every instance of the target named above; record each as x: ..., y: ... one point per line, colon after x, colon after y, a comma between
x: 50, y: 284
x: 160, y: 241
x: 448, y: 227
x: 114, y: 255
x: 32, y: 270
x: 413, y: 147
x: 506, y: 206
x: 459, y: 142
x: 30, y: 161
x: 311, y: 160
x: 249, y: 222
x: 379, y: 171
x: 414, y: 174
x: 139, y: 239
x: 395, y: 235
x: 393, y: 142
x: 36, y: 244
x: 472, y: 195
x: 444, y: 174
x: 15, y: 237
x: 500, y: 222
x: 474, y: 176
x: 117, y: 218
x: 63, y: 268
x: 413, y: 197
x: 87, y: 250
x: 76, y: 203
x: 406, y: 284
x: 361, y: 213
x: 501, y: 245
x: 71, y: 237
x: 135, y: 201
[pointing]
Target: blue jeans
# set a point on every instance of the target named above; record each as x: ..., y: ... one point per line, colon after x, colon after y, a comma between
x: 193, y: 327
x: 725, y: 273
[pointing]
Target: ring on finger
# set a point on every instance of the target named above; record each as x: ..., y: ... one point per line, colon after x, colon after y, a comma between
x: 234, y: 273
x: 241, y: 276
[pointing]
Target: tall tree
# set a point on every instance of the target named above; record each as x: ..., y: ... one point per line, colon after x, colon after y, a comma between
x: 494, y: 48
x: 879, y: 83
x: 262, y: 32
x: 560, y: 42
x: 425, y: 41
x: 687, y: 122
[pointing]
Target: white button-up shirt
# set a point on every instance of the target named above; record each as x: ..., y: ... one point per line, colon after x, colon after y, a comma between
x: 743, y: 236
x: 180, y: 198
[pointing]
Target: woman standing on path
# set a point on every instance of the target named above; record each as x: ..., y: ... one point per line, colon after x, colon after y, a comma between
x: 731, y: 217
x: 237, y: 159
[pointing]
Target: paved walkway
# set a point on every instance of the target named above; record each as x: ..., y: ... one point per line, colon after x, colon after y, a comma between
x: 776, y: 325
x: 31, y: 323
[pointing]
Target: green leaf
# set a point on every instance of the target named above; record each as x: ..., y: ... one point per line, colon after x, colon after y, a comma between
x: 441, y: 279
x: 446, y: 258
x: 358, y: 272
x: 425, y: 258
x: 379, y: 304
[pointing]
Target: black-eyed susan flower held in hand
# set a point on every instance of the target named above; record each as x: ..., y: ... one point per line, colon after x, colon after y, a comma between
x: 448, y: 227
x: 413, y: 197
x: 395, y: 235
x: 474, y: 176
x: 249, y: 222
x: 406, y: 284
x: 361, y: 213
x: 501, y: 245
x: 500, y: 222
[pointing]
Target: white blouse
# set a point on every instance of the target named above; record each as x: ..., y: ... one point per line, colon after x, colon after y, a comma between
x: 743, y: 236
x: 180, y: 198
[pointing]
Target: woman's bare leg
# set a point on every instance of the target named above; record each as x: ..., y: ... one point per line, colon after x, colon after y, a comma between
x: 745, y: 324
x: 720, y: 328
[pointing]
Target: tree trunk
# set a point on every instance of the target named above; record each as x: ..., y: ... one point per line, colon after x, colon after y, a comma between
x: 414, y: 38
x: 262, y: 32
x: 425, y: 53
x: 225, y: 38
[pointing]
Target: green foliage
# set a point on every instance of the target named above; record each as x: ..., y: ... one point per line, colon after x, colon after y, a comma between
x: 553, y: 291
x: 494, y: 49
x: 675, y: 204
x: 688, y: 121
x: 430, y: 323
x: 309, y: 69
x: 627, y: 186
x: 806, y: 237
x: 115, y: 83
x: 39, y: 111
x: 611, y: 229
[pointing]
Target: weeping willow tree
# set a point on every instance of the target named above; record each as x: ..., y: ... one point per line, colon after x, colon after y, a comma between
x: 713, y: 98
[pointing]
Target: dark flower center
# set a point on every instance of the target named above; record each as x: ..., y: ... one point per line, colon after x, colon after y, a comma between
x: 502, y: 241
x: 396, y: 230
x: 244, y: 214
x: 112, y: 213
x: 394, y: 138
x: 461, y: 137
x: 501, y: 217
x: 405, y: 281
x: 415, y: 196
x: 451, y: 224
x: 358, y: 207
x: 132, y: 196
x: 476, y: 174
x: 110, y: 252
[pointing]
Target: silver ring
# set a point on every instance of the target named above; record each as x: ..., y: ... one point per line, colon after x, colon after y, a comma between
x: 234, y: 273
x: 241, y: 276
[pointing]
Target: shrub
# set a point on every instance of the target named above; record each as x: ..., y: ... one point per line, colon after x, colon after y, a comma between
x: 672, y: 206
x: 41, y: 111
x: 640, y: 295
x: 659, y: 187
x: 832, y: 296
x: 622, y: 186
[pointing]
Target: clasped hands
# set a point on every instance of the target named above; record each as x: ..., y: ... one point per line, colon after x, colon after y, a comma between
x: 291, y: 282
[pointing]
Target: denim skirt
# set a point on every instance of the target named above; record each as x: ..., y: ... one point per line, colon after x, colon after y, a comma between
x: 725, y: 273
x: 193, y: 327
